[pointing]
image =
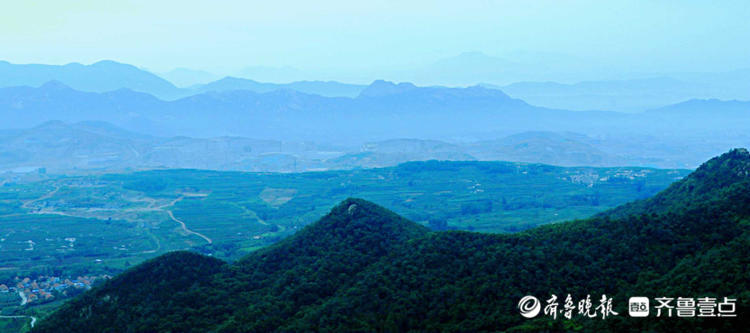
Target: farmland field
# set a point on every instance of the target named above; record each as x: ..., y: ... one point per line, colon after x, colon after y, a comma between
x: 94, y: 224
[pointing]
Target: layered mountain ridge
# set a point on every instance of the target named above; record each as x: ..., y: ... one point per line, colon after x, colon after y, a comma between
x: 362, y: 267
x: 383, y: 111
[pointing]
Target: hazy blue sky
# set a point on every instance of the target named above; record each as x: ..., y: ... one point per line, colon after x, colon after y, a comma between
x: 351, y: 36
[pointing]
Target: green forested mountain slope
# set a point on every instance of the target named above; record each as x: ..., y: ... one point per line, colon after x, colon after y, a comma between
x: 146, y: 298
x: 364, y: 268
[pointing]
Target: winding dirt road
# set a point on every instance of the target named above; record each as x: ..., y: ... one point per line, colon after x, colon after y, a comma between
x: 186, y: 230
x: 151, y: 207
x: 33, y: 319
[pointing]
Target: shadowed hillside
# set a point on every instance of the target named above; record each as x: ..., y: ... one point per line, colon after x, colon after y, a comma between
x: 362, y: 267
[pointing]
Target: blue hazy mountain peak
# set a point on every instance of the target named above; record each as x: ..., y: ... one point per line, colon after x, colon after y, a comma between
x: 107, y: 62
x: 230, y: 83
x: 102, y: 76
x: 235, y: 79
x: 54, y: 85
x: 697, y: 106
x: 382, y: 88
x: 322, y: 88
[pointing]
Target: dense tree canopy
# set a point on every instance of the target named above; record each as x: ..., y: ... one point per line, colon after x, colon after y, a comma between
x: 362, y: 267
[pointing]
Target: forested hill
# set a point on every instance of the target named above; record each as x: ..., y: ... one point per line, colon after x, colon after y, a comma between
x: 363, y: 268
x: 730, y: 170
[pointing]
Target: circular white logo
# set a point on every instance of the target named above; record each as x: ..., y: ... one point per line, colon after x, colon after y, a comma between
x: 529, y: 306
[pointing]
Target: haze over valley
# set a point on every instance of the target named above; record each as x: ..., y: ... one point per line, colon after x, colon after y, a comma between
x: 383, y: 166
x: 111, y: 116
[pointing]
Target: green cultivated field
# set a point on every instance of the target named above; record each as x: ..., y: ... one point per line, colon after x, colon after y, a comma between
x: 106, y: 223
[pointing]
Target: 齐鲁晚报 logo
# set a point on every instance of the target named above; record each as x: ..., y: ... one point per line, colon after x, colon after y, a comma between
x: 638, y: 307
x: 529, y: 306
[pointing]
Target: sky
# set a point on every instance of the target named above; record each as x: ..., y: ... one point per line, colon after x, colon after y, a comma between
x: 342, y: 39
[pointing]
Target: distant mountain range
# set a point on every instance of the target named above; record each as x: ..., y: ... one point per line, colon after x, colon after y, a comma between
x: 342, y: 125
x: 480, y: 119
x: 102, y: 76
x: 283, y: 114
x: 322, y: 88
x: 58, y: 147
x: 471, y: 68
x: 108, y: 75
x: 364, y: 268
x: 632, y: 95
x: 383, y: 110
